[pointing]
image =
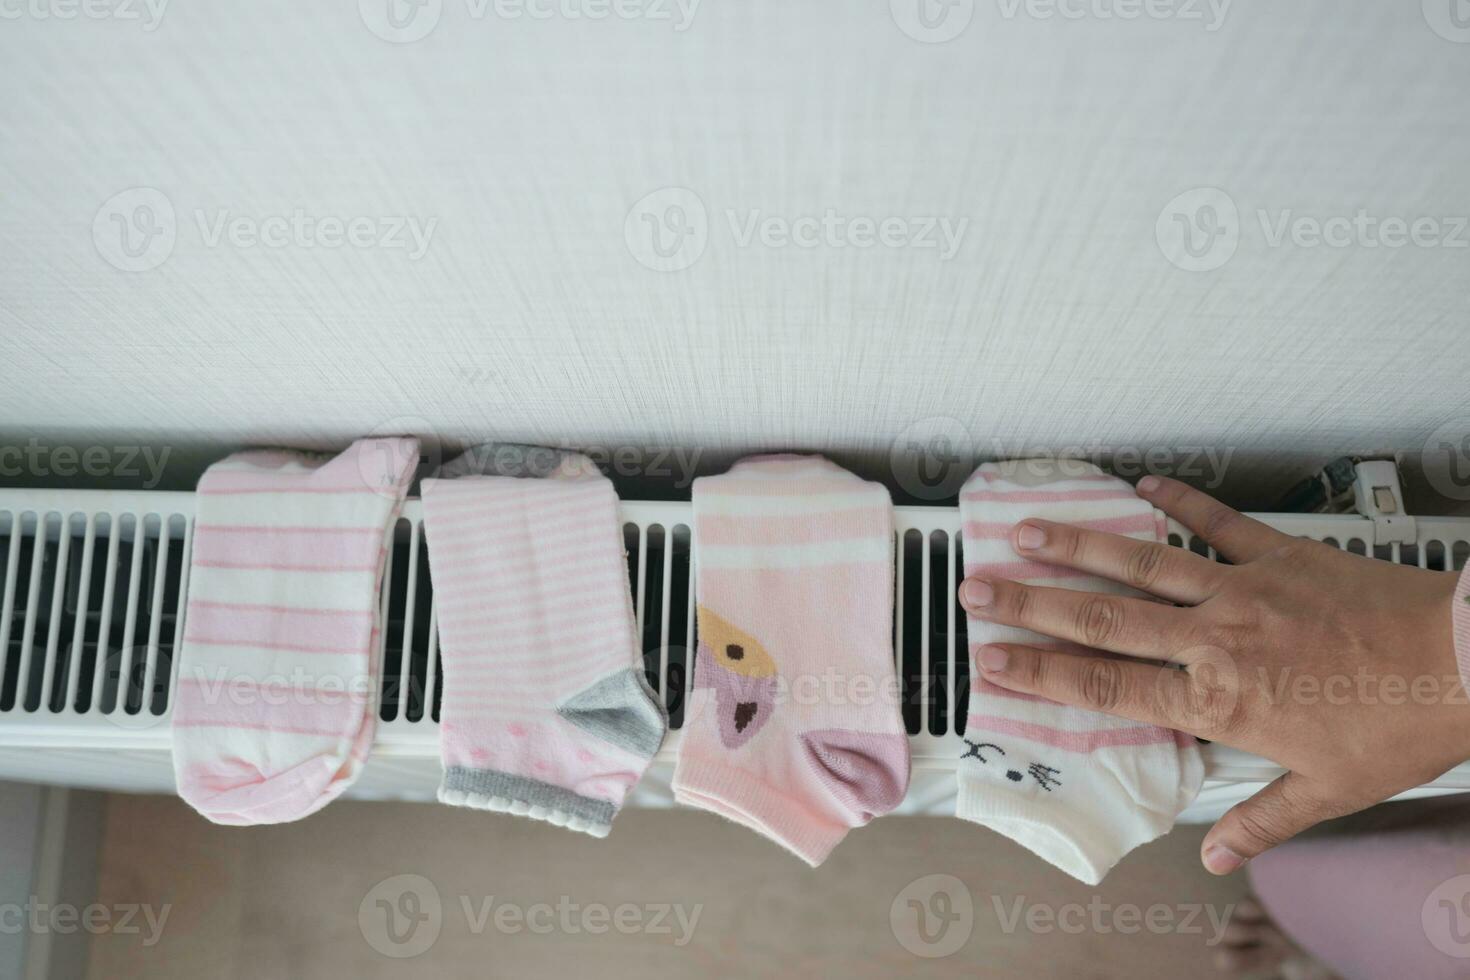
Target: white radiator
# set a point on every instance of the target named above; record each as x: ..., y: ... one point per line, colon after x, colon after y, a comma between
x: 90, y: 571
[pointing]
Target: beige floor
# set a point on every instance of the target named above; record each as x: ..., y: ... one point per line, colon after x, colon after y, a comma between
x: 284, y: 901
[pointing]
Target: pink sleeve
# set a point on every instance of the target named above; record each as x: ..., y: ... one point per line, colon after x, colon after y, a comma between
x: 1462, y: 626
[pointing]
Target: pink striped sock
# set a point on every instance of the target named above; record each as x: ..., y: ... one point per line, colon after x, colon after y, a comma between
x: 546, y: 712
x: 793, y: 727
x: 276, y: 701
x: 1078, y: 788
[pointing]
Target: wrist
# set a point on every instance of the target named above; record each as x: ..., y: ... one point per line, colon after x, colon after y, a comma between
x: 1442, y: 638
x: 1450, y: 633
x: 1460, y: 626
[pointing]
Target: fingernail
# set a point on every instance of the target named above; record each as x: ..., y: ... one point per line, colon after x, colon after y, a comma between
x: 978, y: 593
x: 1148, y: 484
x: 1030, y: 537
x: 992, y: 660
x: 1221, y: 860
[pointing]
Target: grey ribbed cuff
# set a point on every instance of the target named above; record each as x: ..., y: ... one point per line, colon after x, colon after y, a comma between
x: 532, y: 792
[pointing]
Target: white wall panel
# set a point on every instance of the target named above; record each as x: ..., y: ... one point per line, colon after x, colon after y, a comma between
x: 1058, y: 322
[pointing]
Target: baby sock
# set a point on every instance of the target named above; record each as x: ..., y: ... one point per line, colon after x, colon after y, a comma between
x: 545, y: 712
x: 275, y: 707
x: 793, y: 727
x: 1078, y: 788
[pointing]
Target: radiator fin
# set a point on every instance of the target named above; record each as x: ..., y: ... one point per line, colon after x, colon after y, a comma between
x: 92, y: 603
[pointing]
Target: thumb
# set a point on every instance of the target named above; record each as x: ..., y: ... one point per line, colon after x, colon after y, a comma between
x: 1287, y: 806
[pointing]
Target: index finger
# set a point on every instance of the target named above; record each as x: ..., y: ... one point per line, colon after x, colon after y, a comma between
x: 1228, y: 531
x: 1100, y: 620
x: 1159, y: 569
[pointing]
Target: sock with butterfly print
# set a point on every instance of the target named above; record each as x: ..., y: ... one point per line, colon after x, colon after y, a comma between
x: 793, y: 727
x: 1078, y: 788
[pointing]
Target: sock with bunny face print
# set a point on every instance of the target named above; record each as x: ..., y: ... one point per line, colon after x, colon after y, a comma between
x: 1078, y: 788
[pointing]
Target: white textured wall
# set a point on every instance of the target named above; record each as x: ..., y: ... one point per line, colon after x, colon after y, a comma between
x: 1058, y: 323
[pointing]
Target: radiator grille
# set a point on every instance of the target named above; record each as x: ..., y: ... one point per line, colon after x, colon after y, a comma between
x: 93, y: 589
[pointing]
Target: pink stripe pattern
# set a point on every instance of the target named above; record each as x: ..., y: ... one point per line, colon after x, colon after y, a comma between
x: 1083, y: 741
x: 274, y: 711
x: 794, y: 582
x: 1029, y: 496
x: 717, y: 530
x: 1002, y: 531
x: 1078, y: 788
x: 535, y: 612
x: 306, y: 549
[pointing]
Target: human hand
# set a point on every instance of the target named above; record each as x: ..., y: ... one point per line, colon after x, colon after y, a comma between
x: 1337, y: 667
